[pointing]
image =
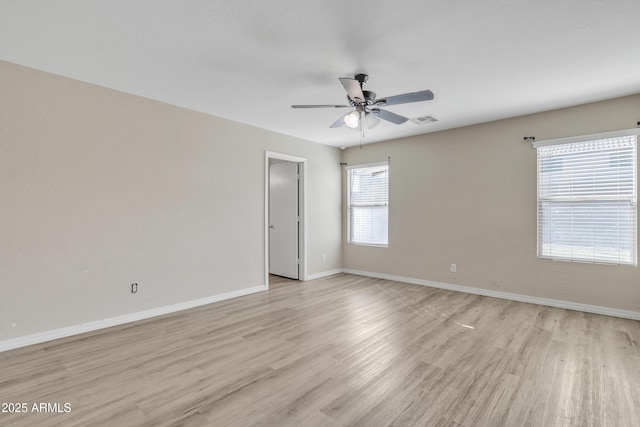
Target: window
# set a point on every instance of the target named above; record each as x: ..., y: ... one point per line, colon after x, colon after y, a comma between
x: 368, y: 201
x: 587, y: 198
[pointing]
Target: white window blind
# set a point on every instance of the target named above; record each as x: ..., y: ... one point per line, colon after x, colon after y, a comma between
x: 587, y: 200
x: 368, y: 200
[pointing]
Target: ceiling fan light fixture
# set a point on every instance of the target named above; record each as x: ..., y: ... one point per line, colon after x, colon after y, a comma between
x: 352, y: 119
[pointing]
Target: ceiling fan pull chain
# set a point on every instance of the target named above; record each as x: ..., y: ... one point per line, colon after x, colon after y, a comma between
x: 361, y: 127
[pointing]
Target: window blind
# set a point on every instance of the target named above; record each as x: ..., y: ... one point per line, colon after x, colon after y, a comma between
x: 368, y: 204
x: 587, y: 200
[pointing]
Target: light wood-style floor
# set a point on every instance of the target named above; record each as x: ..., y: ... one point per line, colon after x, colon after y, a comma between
x: 344, y: 350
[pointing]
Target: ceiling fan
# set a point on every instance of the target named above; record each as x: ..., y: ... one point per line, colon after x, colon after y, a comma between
x: 366, y: 105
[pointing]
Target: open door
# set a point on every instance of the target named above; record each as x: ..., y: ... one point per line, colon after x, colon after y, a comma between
x: 284, y: 217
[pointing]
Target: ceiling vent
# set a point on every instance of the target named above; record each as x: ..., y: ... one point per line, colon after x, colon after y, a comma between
x: 424, y: 120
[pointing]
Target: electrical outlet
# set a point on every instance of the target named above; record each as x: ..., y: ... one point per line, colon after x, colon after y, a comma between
x: 134, y: 288
x: 324, y: 257
x: 453, y: 268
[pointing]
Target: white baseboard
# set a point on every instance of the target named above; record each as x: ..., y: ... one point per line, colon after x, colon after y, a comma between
x: 41, y: 337
x: 323, y: 274
x: 626, y: 314
x: 127, y: 318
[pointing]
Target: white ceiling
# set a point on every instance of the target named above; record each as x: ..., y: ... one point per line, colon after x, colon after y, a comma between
x: 249, y: 61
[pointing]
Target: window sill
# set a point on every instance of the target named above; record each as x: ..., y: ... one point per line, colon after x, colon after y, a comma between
x: 373, y: 245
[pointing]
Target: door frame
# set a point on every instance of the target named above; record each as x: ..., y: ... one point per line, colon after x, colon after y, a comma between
x: 302, y: 202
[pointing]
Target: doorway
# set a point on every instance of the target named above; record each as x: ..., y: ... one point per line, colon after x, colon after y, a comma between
x: 284, y: 216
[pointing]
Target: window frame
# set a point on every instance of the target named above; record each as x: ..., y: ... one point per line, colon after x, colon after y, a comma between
x: 633, y: 200
x: 348, y: 205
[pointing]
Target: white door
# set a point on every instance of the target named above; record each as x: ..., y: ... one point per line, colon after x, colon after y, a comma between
x: 283, y: 219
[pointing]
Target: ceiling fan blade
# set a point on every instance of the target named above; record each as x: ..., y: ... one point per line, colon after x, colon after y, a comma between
x: 352, y: 86
x: 423, y: 95
x: 339, y: 122
x: 320, y: 106
x: 389, y: 116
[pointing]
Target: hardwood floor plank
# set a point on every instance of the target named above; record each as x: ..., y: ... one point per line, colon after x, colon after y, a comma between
x: 341, y: 350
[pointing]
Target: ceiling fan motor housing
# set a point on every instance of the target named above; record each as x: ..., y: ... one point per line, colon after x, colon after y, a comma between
x: 369, y: 99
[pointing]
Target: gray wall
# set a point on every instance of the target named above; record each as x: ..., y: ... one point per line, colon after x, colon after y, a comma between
x: 100, y: 189
x: 468, y: 197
